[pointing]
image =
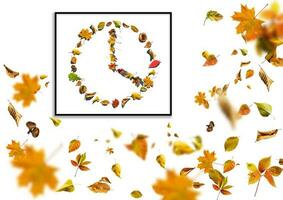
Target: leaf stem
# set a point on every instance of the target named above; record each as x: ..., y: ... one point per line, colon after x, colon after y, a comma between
x: 76, y: 171
x: 218, y: 194
x: 262, y: 9
x: 257, y: 186
x: 204, y: 21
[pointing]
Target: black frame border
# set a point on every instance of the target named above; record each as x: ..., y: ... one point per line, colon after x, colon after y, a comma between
x: 106, y: 114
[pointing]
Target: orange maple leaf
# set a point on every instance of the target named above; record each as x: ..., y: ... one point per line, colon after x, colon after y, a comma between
x: 15, y: 149
x: 35, y: 171
x: 200, y: 99
x: 26, y: 90
x: 139, y: 146
x: 249, y: 25
x: 175, y: 187
x: 85, y: 34
x: 206, y: 161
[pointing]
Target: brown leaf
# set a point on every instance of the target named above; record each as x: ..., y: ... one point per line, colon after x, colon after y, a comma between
x: 99, y: 187
x: 263, y: 135
x: 185, y: 171
x: 265, y: 79
x: 11, y: 73
x: 14, y: 113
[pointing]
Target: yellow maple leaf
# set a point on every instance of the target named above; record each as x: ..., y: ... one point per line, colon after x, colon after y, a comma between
x: 206, y: 161
x: 26, y: 90
x: 85, y: 34
x: 249, y: 25
x: 35, y: 172
x: 175, y: 187
x: 15, y: 149
x: 200, y: 99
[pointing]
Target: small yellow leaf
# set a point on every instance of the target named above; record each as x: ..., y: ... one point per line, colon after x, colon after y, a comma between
x: 161, y: 160
x: 231, y: 143
x: 136, y: 194
x: 116, y: 168
x: 68, y: 186
x: 100, y: 26
x: 116, y: 133
x: 181, y: 148
x: 56, y: 121
x: 14, y: 113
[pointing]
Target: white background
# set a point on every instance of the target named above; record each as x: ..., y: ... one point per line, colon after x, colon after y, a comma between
x: 27, y: 46
x: 93, y: 63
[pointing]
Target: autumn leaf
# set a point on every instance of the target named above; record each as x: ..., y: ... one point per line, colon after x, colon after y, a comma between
x: 116, y: 133
x: 206, y: 161
x: 263, y: 135
x: 231, y: 143
x: 175, y: 187
x: 210, y: 59
x: 264, y: 109
x: 265, y: 79
x: 116, y: 168
x: 14, y: 113
x: 85, y: 34
x: 74, y: 145
x: 200, y: 99
x: 136, y: 96
x: 139, y: 146
x: 229, y: 165
x: 213, y: 16
x: 181, y: 148
x: 148, y: 83
x: 136, y: 194
x: 68, y: 186
x: 35, y: 171
x: 26, y: 90
x: 99, y: 187
x: 56, y: 121
x: 249, y: 73
x: 80, y: 163
x: 185, y: 171
x: 220, y: 182
x: 10, y: 72
x: 249, y: 25
x: 15, y: 149
x: 161, y: 160
x: 244, y: 110
x: 73, y: 77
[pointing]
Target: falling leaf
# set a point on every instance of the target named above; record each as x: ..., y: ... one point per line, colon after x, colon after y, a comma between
x: 200, y: 99
x: 213, y: 16
x: 74, y: 145
x: 136, y: 194
x: 229, y: 165
x: 139, y: 146
x: 116, y: 133
x: 161, y: 160
x: 197, y: 185
x: 265, y: 79
x: 14, y: 113
x: 56, y: 121
x: 148, y: 83
x: 100, y: 26
x: 197, y: 142
x: 73, y: 77
x: 15, y: 149
x: 99, y: 187
x: 228, y: 110
x: 105, y: 179
x: 115, y: 103
x: 85, y: 34
x: 116, y: 168
x: 210, y: 59
x: 76, y: 52
x: 249, y: 25
x: 238, y: 77
x: 11, y: 73
x: 185, y: 171
x: 263, y: 135
x: 264, y: 109
x: 104, y: 102
x: 175, y: 187
x: 80, y: 163
x: 35, y: 172
x: 206, y: 161
x: 220, y: 182
x: 134, y: 28
x: 249, y: 73
x: 68, y: 186
x: 244, y: 52
x: 117, y: 24
x: 231, y: 143
x: 245, y: 63
x: 26, y: 90
x: 154, y: 64
x: 181, y: 148
x: 244, y: 110
x: 136, y: 96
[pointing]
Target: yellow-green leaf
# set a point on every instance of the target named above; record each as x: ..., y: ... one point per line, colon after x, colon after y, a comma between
x: 56, y: 121
x: 116, y: 133
x: 116, y: 168
x: 231, y: 143
x: 264, y: 109
x: 136, y: 194
x: 68, y: 186
x: 181, y: 148
x: 100, y: 26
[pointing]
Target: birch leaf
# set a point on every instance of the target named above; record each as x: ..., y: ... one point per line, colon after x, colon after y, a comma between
x: 68, y: 186
x: 264, y: 109
x: 14, y: 113
x: 231, y: 143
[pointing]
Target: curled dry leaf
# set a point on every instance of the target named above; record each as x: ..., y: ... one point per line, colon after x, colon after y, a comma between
x: 56, y: 121
x: 99, y: 187
x: 116, y: 168
x: 263, y: 135
x: 139, y: 146
x: 136, y: 96
x: 68, y: 186
x: 264, y: 109
x: 265, y: 79
x: 185, y: 171
x: 74, y: 145
x: 181, y: 148
x: 238, y: 77
x: 14, y: 113
x: 10, y: 72
x: 136, y: 194
x: 231, y: 143
x: 161, y: 160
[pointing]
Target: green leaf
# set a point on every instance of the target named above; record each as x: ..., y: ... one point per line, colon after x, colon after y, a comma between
x: 68, y: 186
x: 231, y: 143
x: 73, y: 77
x: 117, y: 24
x: 244, y: 52
x: 264, y: 109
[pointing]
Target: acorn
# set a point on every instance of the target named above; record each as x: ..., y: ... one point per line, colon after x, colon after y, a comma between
x: 74, y: 68
x: 142, y: 37
x: 82, y: 89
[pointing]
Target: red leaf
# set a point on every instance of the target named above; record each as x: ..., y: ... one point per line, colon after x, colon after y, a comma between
x: 154, y: 64
x: 74, y: 163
